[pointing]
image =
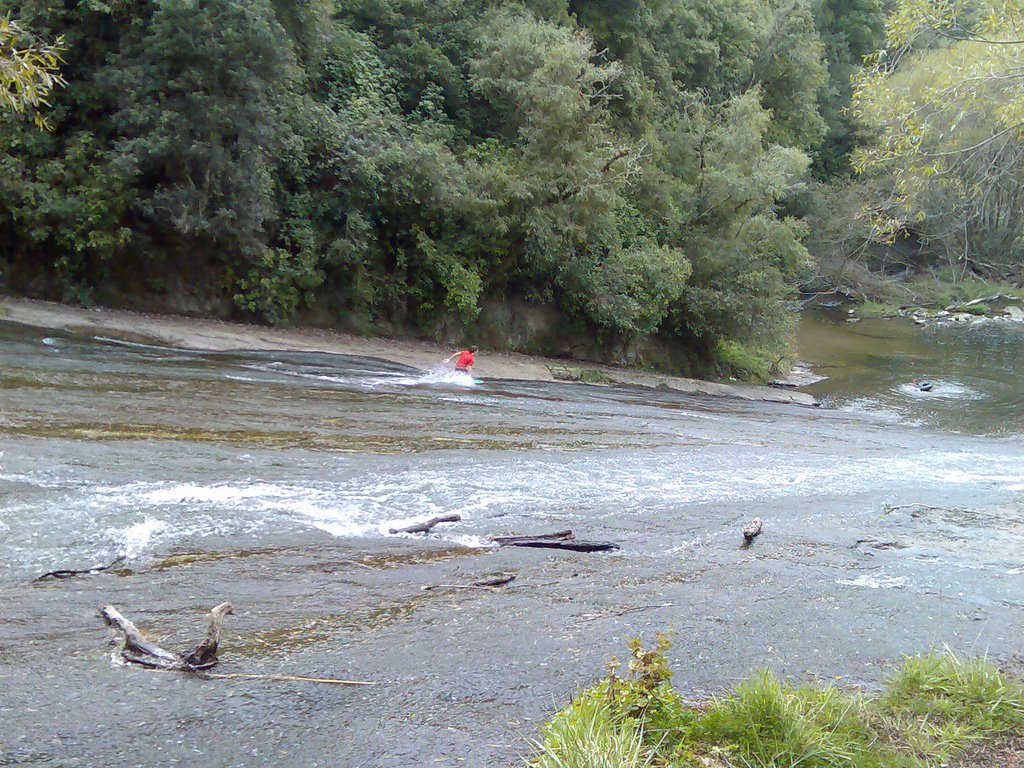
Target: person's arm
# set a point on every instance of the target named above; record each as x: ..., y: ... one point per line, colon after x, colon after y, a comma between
x: 469, y: 369
x: 452, y: 357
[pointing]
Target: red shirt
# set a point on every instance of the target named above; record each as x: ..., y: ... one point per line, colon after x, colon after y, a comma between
x: 465, y: 360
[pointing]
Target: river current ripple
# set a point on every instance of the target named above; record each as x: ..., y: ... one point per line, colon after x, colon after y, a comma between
x: 113, y: 448
x: 880, y: 537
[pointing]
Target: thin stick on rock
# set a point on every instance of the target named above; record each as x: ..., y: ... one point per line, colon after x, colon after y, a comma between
x: 573, y: 545
x: 887, y: 508
x: 488, y: 584
x: 242, y: 676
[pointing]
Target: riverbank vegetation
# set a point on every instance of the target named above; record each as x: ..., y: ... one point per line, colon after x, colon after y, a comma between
x: 438, y: 168
x: 645, y: 182
x: 935, y: 709
x: 939, y: 174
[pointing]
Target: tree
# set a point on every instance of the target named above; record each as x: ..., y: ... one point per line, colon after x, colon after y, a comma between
x: 849, y: 31
x: 944, y: 96
x: 29, y: 70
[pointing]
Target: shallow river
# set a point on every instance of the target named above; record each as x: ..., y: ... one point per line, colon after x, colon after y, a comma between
x: 272, y: 479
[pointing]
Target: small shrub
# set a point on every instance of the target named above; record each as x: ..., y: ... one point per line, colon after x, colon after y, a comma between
x: 877, y: 309
x: 743, y: 362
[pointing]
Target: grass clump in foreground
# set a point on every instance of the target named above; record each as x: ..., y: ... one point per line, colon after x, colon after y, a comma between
x: 935, y: 709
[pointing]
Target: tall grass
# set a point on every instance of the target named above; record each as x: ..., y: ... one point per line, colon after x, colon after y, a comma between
x: 934, y: 708
x: 767, y: 723
x: 587, y: 734
x: 942, y: 702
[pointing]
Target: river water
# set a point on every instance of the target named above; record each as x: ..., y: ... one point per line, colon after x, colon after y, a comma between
x: 893, y: 523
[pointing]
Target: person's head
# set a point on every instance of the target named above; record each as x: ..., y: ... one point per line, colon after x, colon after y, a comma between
x: 472, y: 348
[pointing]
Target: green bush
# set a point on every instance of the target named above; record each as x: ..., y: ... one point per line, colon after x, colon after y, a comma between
x: 933, y: 710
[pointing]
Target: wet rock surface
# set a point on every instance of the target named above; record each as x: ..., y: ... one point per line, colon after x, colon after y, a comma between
x: 462, y: 678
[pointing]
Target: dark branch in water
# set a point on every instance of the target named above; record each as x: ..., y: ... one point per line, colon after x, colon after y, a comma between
x: 502, y: 541
x: 66, y: 574
x: 557, y: 540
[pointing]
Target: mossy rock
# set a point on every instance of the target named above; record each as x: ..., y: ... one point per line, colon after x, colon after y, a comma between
x: 973, y: 309
x: 583, y: 375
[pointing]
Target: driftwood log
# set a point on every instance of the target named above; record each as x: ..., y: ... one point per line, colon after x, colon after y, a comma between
x: 139, y: 650
x: 502, y: 541
x: 65, y: 573
x: 427, y: 525
x: 752, y: 530
x: 557, y: 540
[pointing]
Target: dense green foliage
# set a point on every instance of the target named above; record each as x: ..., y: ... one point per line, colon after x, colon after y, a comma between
x: 934, y: 709
x: 940, y: 170
x: 409, y: 165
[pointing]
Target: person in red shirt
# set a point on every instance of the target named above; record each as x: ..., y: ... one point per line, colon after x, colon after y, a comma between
x: 465, y: 361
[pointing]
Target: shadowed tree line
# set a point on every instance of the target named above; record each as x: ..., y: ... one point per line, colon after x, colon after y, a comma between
x: 635, y: 168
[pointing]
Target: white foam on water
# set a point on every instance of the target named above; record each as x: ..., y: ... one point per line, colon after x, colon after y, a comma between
x: 875, y: 582
x: 472, y: 542
x: 941, y: 390
x: 51, y: 342
x: 227, y: 494
x: 434, y: 377
x: 343, y: 528
x: 137, y: 537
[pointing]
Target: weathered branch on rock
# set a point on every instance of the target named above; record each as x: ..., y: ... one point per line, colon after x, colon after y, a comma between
x: 139, y: 650
x: 427, y: 525
x: 752, y: 529
x: 490, y: 584
x: 887, y: 508
x: 502, y: 541
x: 983, y: 300
x: 204, y: 654
x: 67, y: 573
